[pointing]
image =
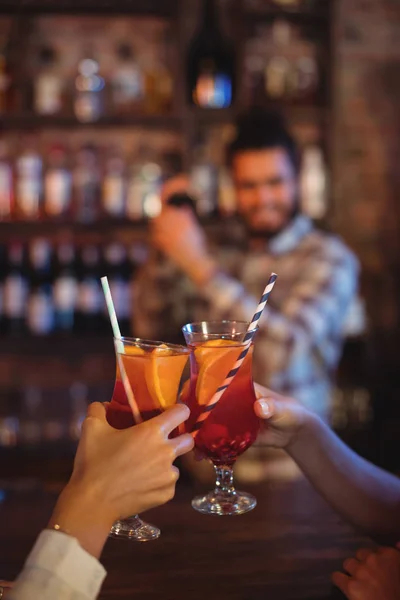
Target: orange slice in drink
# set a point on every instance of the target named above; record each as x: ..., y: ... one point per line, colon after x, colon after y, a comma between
x: 134, y: 351
x: 128, y: 364
x: 215, y: 359
x: 163, y: 375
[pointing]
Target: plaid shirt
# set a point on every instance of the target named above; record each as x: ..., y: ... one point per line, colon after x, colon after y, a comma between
x: 298, y: 345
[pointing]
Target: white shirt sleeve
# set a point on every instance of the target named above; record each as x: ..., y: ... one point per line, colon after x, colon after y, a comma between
x: 58, y: 568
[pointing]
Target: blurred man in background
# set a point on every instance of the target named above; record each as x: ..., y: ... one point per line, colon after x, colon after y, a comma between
x: 299, y: 342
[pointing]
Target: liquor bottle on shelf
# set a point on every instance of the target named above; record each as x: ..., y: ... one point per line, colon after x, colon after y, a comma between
x: 144, y: 185
x: 114, y: 184
x: 309, y: 79
x: 29, y: 182
x: 65, y: 288
x: 31, y: 416
x: 127, y: 83
x: 48, y: 84
x: 226, y: 194
x: 87, y: 186
x: 5, y: 78
x: 89, y: 317
x: 40, y: 315
x: 78, y: 393
x: 9, y: 420
x: 204, y: 181
x: 6, y: 184
x: 313, y: 183
x: 2, y: 277
x: 89, y: 90
x: 15, y: 290
x: 279, y: 70
x: 118, y: 271
x: 57, y: 184
x: 210, y: 63
x: 158, y: 84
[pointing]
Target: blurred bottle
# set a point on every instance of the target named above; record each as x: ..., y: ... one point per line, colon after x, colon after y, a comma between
x: 55, y: 410
x: 87, y: 186
x: 31, y: 416
x: 313, y: 183
x: 158, y: 84
x: 308, y: 75
x: 114, y: 184
x: 118, y: 271
x: 127, y: 83
x: 15, y: 290
x: 48, y: 84
x: 210, y: 67
x: 226, y: 193
x: 204, y: 181
x: 65, y: 288
x: 9, y: 421
x: 89, y: 90
x: 29, y: 182
x: 6, y: 184
x: 89, y: 317
x: 279, y: 73
x: 78, y: 394
x: 2, y: 277
x: 40, y: 315
x: 5, y: 77
x: 57, y: 184
x: 144, y: 185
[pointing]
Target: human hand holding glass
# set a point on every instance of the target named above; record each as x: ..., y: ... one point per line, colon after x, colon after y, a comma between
x: 153, y: 371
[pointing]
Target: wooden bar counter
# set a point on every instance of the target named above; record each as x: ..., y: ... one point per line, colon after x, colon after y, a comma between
x: 285, y: 549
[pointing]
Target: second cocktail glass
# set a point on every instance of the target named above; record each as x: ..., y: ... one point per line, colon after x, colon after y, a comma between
x: 154, y: 372
x: 232, y: 426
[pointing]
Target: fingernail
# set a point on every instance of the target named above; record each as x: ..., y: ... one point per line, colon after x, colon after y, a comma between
x: 265, y: 409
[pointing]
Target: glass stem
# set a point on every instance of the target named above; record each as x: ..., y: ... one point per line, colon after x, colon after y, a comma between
x: 224, y: 483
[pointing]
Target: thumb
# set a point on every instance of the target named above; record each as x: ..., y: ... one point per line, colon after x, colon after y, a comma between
x: 265, y: 408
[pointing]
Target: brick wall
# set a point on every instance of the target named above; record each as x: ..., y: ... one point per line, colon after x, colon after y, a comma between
x: 366, y: 148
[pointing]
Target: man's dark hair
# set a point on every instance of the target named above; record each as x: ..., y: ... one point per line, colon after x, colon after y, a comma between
x: 259, y: 129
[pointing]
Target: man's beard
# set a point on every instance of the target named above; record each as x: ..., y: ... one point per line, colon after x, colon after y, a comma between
x: 258, y: 234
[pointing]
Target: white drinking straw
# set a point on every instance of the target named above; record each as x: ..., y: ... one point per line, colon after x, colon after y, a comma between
x: 119, y: 350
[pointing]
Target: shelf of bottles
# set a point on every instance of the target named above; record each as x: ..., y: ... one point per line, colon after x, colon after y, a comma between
x: 75, y: 197
x: 96, y: 112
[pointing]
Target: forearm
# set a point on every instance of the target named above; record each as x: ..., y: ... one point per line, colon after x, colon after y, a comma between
x: 63, y: 564
x: 82, y: 516
x: 362, y: 493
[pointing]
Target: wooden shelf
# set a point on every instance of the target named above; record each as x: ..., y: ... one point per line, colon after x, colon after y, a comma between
x: 106, y: 228
x: 32, y: 121
x: 304, y: 16
x: 71, y: 346
x: 158, y: 8
x: 56, y: 361
x: 29, y: 229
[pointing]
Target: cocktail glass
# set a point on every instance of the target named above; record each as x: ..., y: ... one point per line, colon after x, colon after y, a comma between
x: 232, y: 426
x: 154, y: 372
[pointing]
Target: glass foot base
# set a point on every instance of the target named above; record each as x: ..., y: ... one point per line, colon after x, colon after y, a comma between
x: 236, y: 503
x: 134, y: 529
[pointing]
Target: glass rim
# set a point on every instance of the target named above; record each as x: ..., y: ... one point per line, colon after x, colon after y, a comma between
x: 217, y: 335
x: 220, y: 322
x: 142, y: 342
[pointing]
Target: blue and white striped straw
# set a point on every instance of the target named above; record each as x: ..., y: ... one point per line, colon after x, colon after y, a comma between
x: 247, y: 340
